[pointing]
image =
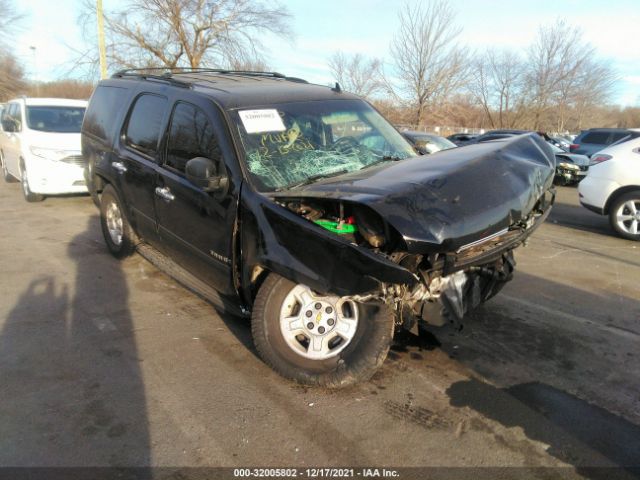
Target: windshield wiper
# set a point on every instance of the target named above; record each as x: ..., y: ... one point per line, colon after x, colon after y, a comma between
x: 312, y: 179
x: 386, y: 158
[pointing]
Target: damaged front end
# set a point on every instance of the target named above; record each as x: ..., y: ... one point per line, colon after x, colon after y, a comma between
x: 431, y: 237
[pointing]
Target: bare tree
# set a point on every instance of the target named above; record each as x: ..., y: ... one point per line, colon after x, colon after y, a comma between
x: 188, y: 33
x: 12, y: 79
x: 357, y: 74
x: 555, y: 59
x: 67, y: 88
x: 10, y: 20
x: 497, y: 84
x: 429, y: 63
x: 594, y: 86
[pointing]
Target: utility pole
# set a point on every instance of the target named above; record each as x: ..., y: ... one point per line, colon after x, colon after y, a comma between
x: 101, y: 47
x: 35, y: 70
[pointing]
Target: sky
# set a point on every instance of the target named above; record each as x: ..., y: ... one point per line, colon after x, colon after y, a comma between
x: 366, y: 26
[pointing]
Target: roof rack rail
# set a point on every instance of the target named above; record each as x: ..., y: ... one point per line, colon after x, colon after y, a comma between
x: 138, y: 72
x: 170, y: 71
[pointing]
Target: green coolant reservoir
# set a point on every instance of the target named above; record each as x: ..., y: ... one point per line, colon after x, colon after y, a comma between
x: 335, y: 227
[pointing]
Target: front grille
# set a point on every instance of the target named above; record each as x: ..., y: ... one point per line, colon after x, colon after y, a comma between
x: 77, y: 160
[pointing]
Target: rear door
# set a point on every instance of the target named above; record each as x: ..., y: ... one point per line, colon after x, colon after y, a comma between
x: 101, y: 121
x: 136, y: 164
x: 195, y: 225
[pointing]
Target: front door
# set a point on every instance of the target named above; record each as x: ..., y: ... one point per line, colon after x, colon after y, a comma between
x: 195, y: 225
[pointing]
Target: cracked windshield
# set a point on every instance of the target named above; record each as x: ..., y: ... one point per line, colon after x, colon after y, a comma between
x: 293, y: 144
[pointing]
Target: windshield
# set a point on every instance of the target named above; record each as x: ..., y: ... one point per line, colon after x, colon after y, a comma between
x: 294, y: 143
x: 55, y: 119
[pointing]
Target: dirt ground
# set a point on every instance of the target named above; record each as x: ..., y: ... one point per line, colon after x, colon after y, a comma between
x: 112, y: 363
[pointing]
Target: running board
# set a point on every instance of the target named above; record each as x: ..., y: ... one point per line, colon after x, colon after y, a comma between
x: 189, y: 281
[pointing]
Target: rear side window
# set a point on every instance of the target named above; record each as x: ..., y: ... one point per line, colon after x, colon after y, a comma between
x: 596, y: 137
x: 190, y: 135
x: 618, y: 136
x: 145, y: 123
x: 104, y: 107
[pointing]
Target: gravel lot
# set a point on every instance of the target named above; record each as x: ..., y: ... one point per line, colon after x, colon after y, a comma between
x: 108, y: 363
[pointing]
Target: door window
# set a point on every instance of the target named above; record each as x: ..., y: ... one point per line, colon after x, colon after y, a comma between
x: 145, y: 124
x: 190, y: 135
x: 599, y: 138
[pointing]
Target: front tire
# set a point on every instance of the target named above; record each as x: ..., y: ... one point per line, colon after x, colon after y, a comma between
x: 120, y: 238
x: 29, y: 196
x: 319, y: 339
x: 624, y: 215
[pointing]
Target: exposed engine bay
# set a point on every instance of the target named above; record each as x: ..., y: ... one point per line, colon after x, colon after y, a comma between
x: 449, y: 283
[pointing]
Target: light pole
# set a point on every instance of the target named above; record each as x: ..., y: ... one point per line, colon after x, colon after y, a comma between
x: 35, y: 70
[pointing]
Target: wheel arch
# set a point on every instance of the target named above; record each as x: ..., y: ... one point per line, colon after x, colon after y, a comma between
x: 617, y: 193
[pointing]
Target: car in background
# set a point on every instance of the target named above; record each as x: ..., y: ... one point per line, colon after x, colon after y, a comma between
x: 426, y: 143
x: 498, y: 134
x: 593, y: 140
x: 612, y: 187
x: 560, y: 142
x: 571, y: 168
x: 40, y: 146
x: 461, y: 139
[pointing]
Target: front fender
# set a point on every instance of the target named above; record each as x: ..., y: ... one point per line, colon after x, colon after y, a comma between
x: 280, y: 241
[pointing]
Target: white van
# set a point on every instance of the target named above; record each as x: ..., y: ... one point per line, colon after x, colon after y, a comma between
x: 40, y: 146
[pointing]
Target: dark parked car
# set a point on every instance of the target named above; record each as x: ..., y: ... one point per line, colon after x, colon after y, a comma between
x: 461, y: 139
x: 560, y: 142
x: 498, y: 134
x: 571, y: 168
x: 426, y: 143
x: 302, y: 207
x: 595, y: 139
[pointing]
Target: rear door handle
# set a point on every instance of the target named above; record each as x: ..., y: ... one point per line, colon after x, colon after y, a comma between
x: 165, y: 194
x: 119, y: 166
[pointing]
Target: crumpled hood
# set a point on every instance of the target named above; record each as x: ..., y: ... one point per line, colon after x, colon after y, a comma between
x: 448, y: 199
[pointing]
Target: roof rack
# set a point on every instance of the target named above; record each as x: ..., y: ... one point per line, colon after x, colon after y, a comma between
x: 170, y: 71
x: 138, y: 72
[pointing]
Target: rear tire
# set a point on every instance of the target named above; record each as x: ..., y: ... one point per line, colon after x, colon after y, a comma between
x: 624, y: 215
x: 370, y: 332
x: 29, y: 196
x: 120, y: 238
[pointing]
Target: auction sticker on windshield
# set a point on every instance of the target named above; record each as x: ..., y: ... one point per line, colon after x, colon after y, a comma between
x: 257, y: 121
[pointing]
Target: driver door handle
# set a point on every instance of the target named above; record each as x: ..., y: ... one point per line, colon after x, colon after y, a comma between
x: 119, y: 166
x: 165, y: 194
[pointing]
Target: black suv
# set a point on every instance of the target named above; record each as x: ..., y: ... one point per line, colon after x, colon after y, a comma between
x: 302, y: 207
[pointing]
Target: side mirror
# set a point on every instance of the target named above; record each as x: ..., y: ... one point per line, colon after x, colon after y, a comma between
x: 203, y: 173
